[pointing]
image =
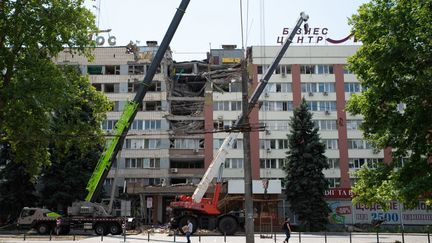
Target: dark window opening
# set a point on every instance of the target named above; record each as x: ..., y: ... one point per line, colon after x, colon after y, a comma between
x: 109, y: 88
x: 94, y: 70
x: 98, y: 87
x: 112, y: 70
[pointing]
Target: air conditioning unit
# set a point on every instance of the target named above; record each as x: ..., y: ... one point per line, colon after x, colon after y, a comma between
x: 327, y: 112
x: 174, y: 170
x: 266, y: 94
x: 325, y: 93
x: 220, y: 118
x: 268, y: 150
x: 268, y: 132
x: 310, y: 94
x: 196, y: 150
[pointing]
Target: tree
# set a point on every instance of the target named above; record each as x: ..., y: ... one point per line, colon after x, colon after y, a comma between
x: 394, y: 66
x: 16, y: 191
x: 32, y: 87
x: 74, y: 157
x: 305, y: 181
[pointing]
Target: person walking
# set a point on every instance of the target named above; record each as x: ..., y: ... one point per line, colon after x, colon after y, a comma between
x: 189, y: 230
x: 286, y: 227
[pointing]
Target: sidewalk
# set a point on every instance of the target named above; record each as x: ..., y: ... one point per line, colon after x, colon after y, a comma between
x: 303, y: 238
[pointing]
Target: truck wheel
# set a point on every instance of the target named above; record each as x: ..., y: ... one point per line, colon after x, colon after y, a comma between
x: 100, y: 229
x: 115, y: 229
x: 183, y: 222
x: 43, y: 228
x: 227, y: 225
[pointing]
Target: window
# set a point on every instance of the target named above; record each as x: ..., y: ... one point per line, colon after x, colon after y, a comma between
x: 331, y: 143
x: 333, y: 163
x: 322, y: 105
x: 352, y: 87
x: 353, y: 124
x: 271, y: 163
x: 151, y: 181
x: 112, y: 69
x: 326, y: 125
x: 98, y: 87
x: 132, y: 163
x: 142, y: 143
x: 188, y: 143
x: 111, y: 88
x: 278, y: 88
x: 358, y: 144
x: 146, y: 125
x: 307, y: 69
x: 109, y: 181
x: 94, y: 70
x: 237, y: 144
x: 149, y: 163
x: 155, y: 86
x: 326, y: 87
x: 276, y: 125
x: 108, y: 125
x: 324, y: 69
x: 308, y: 87
x: 273, y: 143
x: 152, y: 106
x: 277, y: 106
x: 227, y: 106
x: 234, y: 163
x: 262, y: 69
x: 333, y: 182
x: 357, y: 163
x: 136, y: 69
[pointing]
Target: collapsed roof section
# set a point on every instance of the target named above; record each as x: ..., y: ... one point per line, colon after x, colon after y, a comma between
x: 186, y: 89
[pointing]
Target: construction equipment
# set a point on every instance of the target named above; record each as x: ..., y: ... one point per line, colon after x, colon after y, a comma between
x: 88, y: 214
x: 203, y: 212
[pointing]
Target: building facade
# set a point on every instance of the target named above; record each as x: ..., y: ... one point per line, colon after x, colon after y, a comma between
x: 190, y: 107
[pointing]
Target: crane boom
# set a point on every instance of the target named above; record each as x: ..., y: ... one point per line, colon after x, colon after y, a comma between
x: 219, y: 159
x: 123, y: 124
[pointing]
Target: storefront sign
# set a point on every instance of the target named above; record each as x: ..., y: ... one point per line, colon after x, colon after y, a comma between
x: 338, y: 193
x: 311, y: 35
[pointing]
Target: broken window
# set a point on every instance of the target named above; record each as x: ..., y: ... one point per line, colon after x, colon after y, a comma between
x: 187, y: 164
x: 152, y: 106
x: 136, y: 69
x: 112, y: 70
x: 155, y: 86
x: 133, y: 87
x: 111, y: 88
x: 94, y: 69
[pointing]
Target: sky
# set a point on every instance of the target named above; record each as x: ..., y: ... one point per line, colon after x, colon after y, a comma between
x: 212, y: 23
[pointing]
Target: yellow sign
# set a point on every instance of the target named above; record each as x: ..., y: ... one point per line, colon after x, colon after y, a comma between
x: 230, y: 60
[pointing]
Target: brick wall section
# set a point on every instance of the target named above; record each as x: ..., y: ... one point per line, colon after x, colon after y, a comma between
x: 341, y: 121
x: 296, y: 84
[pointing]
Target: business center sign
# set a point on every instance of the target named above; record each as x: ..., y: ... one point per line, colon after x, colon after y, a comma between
x: 310, y: 35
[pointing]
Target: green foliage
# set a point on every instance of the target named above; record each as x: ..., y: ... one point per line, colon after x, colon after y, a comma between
x: 16, y: 191
x: 75, y: 156
x: 394, y: 64
x: 32, y: 87
x: 305, y: 181
x: 49, y: 114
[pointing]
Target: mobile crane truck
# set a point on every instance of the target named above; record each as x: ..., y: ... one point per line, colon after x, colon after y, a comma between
x: 203, y: 212
x: 88, y: 214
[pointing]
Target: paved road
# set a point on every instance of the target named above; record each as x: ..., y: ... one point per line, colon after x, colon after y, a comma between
x: 161, y: 238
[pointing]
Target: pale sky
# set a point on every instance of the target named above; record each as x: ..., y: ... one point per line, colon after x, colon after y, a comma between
x: 211, y: 23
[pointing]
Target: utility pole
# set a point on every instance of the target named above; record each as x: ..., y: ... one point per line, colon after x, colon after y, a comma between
x: 247, y: 163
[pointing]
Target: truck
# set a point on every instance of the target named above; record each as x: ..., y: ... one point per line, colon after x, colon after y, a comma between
x: 203, y: 212
x: 88, y: 214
